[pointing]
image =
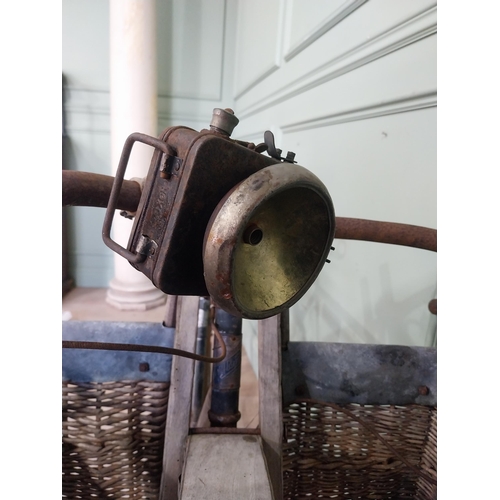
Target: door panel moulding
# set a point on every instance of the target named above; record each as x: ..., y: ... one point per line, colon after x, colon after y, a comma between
x: 268, y: 71
x: 182, y: 113
x: 332, y: 20
x: 410, y: 103
x: 275, y: 65
x: 188, y: 97
x: 410, y: 31
x: 88, y: 111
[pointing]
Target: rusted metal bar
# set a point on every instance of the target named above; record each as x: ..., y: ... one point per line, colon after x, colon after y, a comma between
x: 115, y: 346
x: 93, y: 190
x: 87, y: 189
x: 386, y: 232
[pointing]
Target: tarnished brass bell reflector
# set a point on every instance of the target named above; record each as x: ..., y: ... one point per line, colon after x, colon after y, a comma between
x: 267, y: 241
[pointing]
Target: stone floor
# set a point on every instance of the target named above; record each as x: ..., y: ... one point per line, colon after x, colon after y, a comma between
x: 90, y: 304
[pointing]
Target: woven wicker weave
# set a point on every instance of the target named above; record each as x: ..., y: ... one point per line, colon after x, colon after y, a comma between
x: 113, y: 436
x: 354, y: 451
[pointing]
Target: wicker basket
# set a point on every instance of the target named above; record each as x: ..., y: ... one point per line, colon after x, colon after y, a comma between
x: 329, y: 453
x: 113, y: 431
x: 114, y: 412
x: 113, y: 436
x: 359, y: 421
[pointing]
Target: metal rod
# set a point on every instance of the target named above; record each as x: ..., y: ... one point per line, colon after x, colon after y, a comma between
x: 226, y: 374
x: 114, y: 346
x: 85, y: 189
x: 386, y: 232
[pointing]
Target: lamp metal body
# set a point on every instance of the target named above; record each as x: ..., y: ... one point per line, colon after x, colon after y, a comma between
x: 217, y: 217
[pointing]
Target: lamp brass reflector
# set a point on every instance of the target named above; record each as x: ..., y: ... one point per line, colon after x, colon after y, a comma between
x: 267, y: 241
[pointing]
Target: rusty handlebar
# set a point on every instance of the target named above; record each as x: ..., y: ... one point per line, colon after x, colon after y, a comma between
x: 93, y: 190
x: 386, y: 232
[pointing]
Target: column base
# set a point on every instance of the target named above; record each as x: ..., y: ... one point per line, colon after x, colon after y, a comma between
x: 134, y: 297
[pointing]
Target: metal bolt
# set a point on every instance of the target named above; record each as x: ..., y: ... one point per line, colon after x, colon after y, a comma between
x: 144, y: 367
x: 423, y: 390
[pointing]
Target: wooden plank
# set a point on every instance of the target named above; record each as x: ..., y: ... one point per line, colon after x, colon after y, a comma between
x: 171, y: 311
x: 225, y: 467
x: 270, y: 403
x: 179, y: 404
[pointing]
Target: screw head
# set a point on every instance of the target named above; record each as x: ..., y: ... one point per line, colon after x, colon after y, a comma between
x: 423, y: 390
x: 144, y: 367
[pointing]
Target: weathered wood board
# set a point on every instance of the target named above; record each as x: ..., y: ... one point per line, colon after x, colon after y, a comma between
x: 225, y: 467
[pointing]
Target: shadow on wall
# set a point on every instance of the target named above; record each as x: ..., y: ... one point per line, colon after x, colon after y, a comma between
x: 382, y: 301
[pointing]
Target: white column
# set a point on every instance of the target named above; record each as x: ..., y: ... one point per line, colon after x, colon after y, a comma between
x: 133, y: 89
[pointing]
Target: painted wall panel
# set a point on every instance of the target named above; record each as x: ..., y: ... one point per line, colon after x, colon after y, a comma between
x: 401, y: 80
x: 87, y: 150
x: 305, y: 20
x: 379, y: 168
x: 382, y: 169
x: 258, y: 45
x: 95, y: 266
x: 85, y: 43
x: 370, y: 32
x: 191, y: 48
x: 305, y: 25
x: 355, y: 97
x: 195, y: 48
x: 357, y: 103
